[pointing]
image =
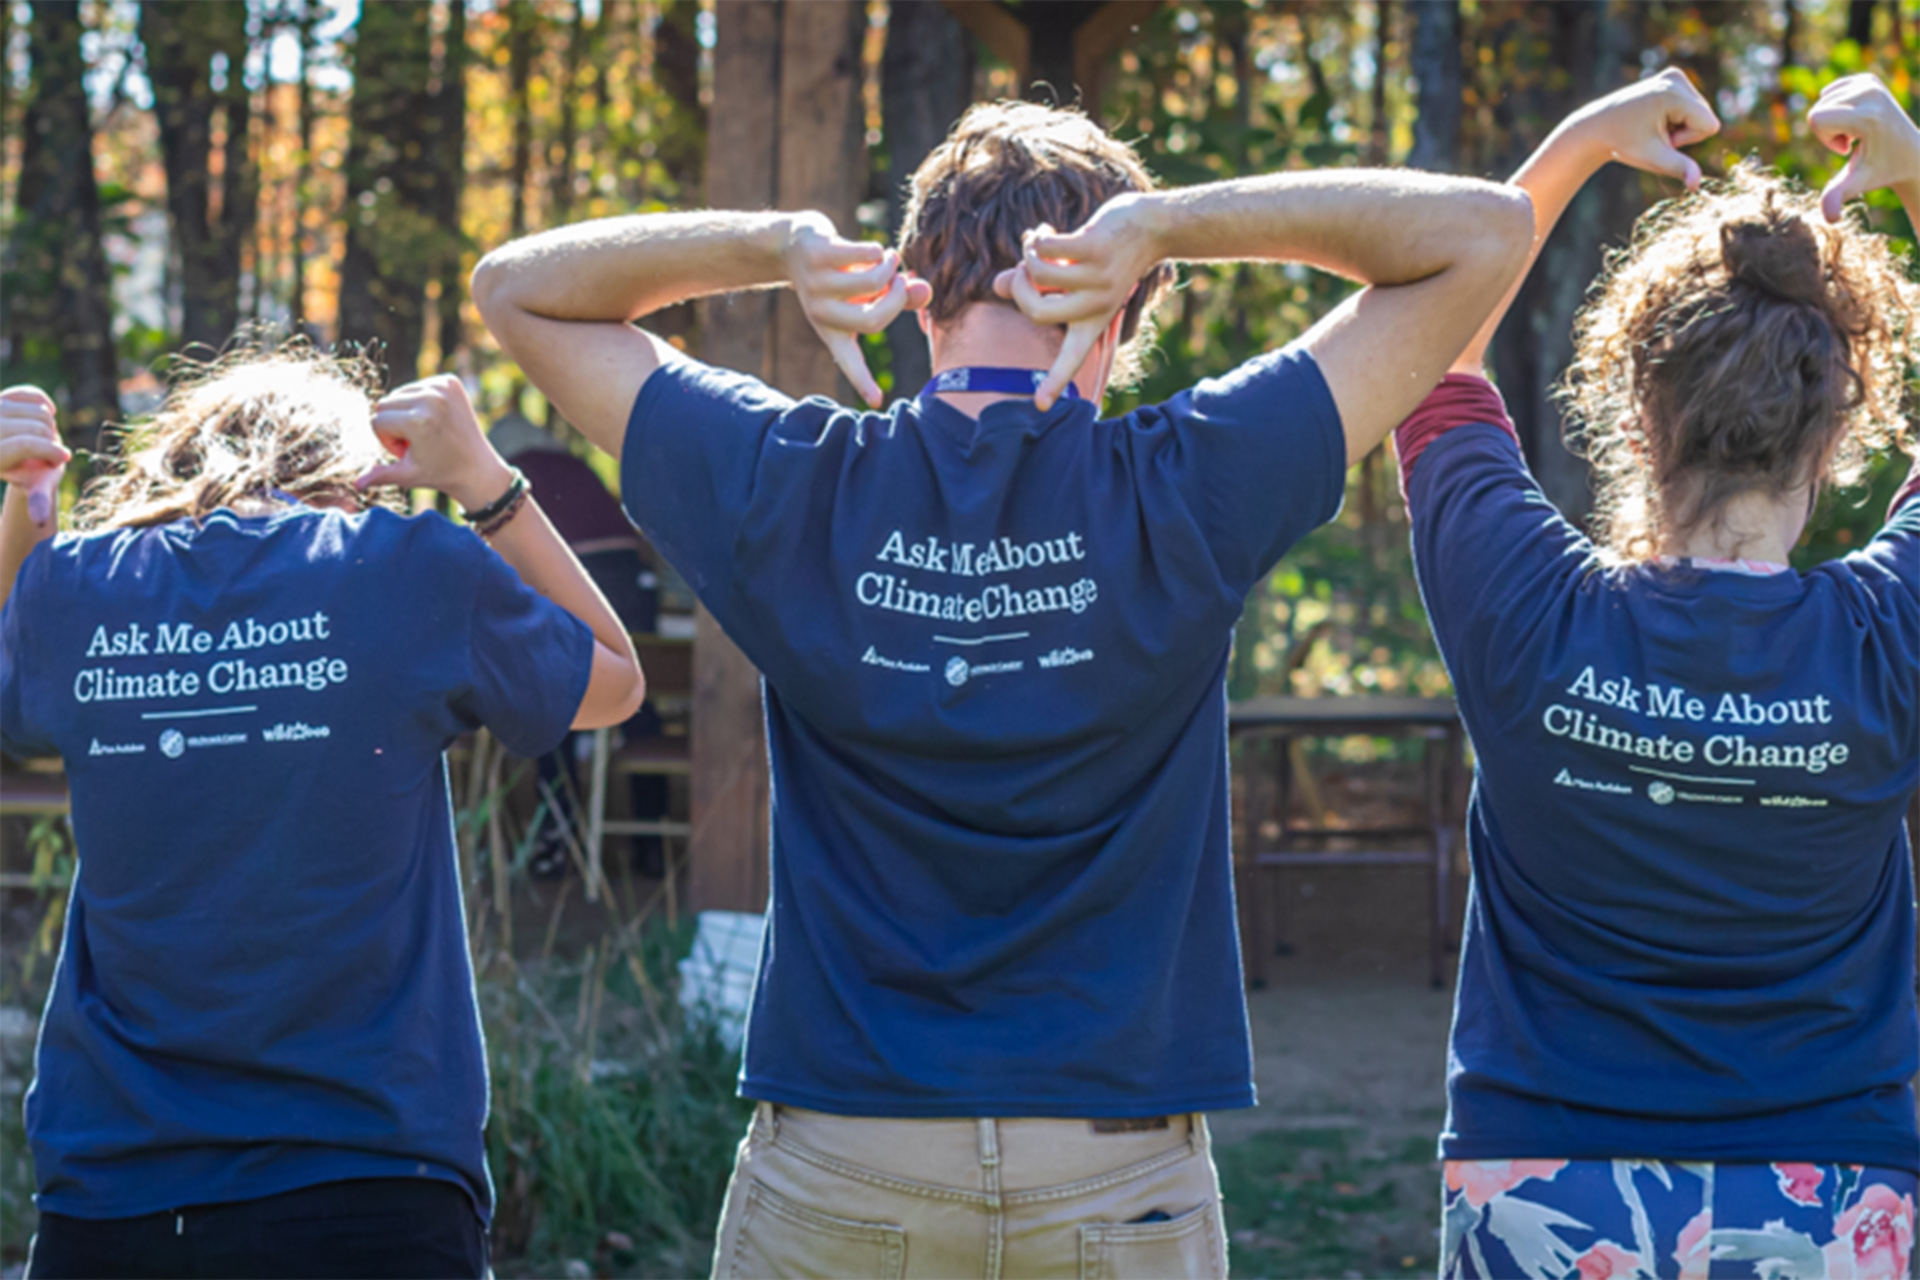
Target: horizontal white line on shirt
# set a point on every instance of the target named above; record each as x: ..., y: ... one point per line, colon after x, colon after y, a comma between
x: 1691, y: 777
x: 1011, y: 635
x: 209, y: 711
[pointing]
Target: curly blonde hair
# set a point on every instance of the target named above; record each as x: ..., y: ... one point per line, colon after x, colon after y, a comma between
x: 1740, y: 343
x: 251, y: 425
x: 1006, y: 168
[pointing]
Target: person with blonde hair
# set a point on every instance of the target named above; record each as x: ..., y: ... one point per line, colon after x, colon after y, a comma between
x: 1684, y: 1035
x: 1001, y: 975
x: 261, y: 1054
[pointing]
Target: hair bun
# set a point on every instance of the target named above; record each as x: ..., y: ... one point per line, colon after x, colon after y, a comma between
x: 1779, y: 255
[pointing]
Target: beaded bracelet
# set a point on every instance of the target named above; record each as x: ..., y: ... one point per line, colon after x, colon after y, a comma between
x: 490, y: 519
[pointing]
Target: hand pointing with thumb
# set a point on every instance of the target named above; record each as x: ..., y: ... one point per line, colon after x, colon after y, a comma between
x: 1858, y: 118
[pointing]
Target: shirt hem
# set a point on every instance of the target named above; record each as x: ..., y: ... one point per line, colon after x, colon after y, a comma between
x: 976, y: 1107
x: 96, y: 1209
x: 1903, y: 1156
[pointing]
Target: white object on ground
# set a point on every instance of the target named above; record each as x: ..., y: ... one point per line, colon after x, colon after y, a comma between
x: 716, y: 978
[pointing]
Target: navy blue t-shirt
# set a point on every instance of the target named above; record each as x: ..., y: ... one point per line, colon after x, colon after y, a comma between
x: 264, y: 983
x: 1691, y: 927
x: 994, y: 655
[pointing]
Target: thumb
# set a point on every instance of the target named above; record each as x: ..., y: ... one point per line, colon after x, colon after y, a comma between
x: 1668, y: 159
x: 402, y: 474
x: 1851, y: 181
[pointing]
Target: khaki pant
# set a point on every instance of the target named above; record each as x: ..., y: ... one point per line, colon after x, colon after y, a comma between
x: 821, y: 1195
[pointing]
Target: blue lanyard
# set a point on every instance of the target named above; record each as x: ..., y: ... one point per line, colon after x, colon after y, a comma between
x: 1012, y: 382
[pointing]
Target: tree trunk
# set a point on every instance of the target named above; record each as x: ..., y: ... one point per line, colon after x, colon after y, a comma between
x: 303, y: 187
x: 799, y: 147
x: 1597, y: 45
x: 210, y: 225
x: 560, y: 154
x: 926, y: 81
x: 1438, y: 77
x: 395, y: 241
x: 521, y: 31
x: 1860, y: 22
x: 56, y: 301
x: 451, y: 112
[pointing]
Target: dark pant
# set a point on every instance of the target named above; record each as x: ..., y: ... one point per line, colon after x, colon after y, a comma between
x: 400, y: 1227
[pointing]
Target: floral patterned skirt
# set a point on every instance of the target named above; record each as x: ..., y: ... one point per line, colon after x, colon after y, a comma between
x: 1597, y: 1219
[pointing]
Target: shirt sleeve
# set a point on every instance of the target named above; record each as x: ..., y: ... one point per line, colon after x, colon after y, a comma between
x: 1490, y: 550
x: 687, y: 467
x: 21, y: 735
x: 529, y: 662
x: 1888, y: 568
x: 1258, y: 457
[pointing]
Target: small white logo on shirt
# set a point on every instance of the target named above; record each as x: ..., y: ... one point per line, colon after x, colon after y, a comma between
x: 1660, y: 793
x: 172, y: 744
x: 100, y: 748
x: 956, y: 671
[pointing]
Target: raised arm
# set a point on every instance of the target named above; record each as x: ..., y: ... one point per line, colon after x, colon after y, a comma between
x: 30, y: 452
x: 431, y: 428
x: 1436, y: 253
x: 562, y: 303
x: 1643, y: 125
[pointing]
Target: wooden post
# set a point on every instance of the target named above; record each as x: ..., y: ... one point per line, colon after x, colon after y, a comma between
x: 800, y: 147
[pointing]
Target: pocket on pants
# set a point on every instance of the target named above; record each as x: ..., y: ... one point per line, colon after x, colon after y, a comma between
x: 1184, y: 1246
x: 778, y: 1237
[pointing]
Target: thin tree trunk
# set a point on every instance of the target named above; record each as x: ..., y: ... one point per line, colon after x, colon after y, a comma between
x: 210, y: 228
x: 1860, y: 22
x: 451, y: 145
x: 560, y: 154
x: 392, y: 245
x: 1438, y: 77
x: 1379, y: 130
x: 926, y: 80
x: 521, y: 21
x: 303, y: 182
x: 55, y: 294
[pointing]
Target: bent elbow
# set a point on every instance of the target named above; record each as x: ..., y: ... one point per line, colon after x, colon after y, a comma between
x: 636, y: 694
x: 484, y: 285
x: 1509, y: 225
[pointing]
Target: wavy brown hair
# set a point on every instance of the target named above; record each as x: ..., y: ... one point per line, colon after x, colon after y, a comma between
x: 1740, y: 344
x: 236, y: 429
x: 1005, y: 169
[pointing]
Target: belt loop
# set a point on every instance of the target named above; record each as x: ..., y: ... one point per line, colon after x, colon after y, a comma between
x: 989, y: 1142
x: 1199, y: 1141
x: 766, y: 1119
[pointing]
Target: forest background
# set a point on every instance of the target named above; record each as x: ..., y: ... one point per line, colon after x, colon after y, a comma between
x: 172, y: 171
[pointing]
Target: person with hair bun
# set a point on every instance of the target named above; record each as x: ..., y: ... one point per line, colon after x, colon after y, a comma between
x: 261, y: 1054
x: 1684, y: 1035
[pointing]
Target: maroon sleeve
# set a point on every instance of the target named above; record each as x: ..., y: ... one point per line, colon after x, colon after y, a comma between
x: 1461, y: 398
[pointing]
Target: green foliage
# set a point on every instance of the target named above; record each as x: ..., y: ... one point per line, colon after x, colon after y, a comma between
x: 614, y: 1116
x: 1305, y: 1202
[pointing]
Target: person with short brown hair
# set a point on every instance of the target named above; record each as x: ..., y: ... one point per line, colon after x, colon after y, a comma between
x: 1001, y: 975
x: 1685, y: 1036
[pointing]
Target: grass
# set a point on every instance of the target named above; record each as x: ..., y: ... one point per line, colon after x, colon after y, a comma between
x: 1312, y: 1202
x: 614, y: 1117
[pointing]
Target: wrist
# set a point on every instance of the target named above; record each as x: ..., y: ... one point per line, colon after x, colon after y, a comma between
x: 481, y: 483
x: 779, y: 236
x: 1153, y: 213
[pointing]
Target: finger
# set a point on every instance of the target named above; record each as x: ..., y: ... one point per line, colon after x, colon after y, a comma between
x: 1071, y: 246
x: 869, y: 316
x: 1058, y: 308
x: 919, y: 294
x: 845, y: 349
x: 23, y: 449
x: 1055, y: 275
x: 839, y: 254
x: 28, y: 417
x: 1073, y: 353
x: 1836, y: 125
x: 1003, y: 282
x: 25, y: 395
x: 864, y: 282
x: 402, y: 474
x: 1851, y: 181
